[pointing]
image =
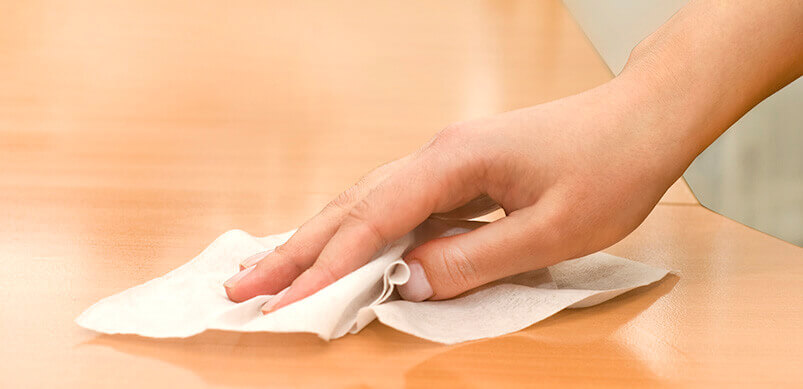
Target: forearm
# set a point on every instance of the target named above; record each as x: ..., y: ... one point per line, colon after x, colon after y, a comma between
x: 711, y: 63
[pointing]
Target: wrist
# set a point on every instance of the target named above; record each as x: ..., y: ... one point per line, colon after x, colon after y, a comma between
x: 680, y: 111
x: 649, y: 124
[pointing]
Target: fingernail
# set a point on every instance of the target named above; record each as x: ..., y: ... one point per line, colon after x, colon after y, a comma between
x: 417, y: 287
x: 231, y: 282
x: 268, y: 306
x: 252, y: 260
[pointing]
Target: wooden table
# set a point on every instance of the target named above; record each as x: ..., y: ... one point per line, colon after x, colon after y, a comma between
x: 131, y: 135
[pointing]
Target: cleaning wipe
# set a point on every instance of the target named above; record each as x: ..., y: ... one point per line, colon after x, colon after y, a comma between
x: 191, y: 298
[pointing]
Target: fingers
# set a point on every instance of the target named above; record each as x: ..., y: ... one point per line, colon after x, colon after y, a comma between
x: 445, y: 267
x: 277, y: 269
x: 393, y: 208
x: 270, y: 272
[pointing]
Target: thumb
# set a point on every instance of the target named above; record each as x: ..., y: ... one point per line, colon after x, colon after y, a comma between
x: 445, y: 267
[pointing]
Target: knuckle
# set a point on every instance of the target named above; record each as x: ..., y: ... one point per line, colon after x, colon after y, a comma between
x: 285, y: 250
x: 345, y: 200
x: 358, y: 219
x: 451, y: 134
x: 359, y: 212
x: 291, y: 253
x: 459, y: 271
x: 351, y: 196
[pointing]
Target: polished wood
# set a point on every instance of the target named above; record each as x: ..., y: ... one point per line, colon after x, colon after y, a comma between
x: 131, y: 135
x: 679, y: 193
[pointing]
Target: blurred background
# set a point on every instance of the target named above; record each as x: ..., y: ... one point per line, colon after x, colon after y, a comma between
x: 252, y: 79
x: 752, y: 174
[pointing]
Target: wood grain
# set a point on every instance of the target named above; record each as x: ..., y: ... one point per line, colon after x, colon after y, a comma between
x: 132, y: 134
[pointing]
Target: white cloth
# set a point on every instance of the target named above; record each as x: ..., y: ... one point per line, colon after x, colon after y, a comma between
x: 191, y: 298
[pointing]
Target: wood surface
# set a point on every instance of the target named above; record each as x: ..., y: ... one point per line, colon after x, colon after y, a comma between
x: 134, y: 133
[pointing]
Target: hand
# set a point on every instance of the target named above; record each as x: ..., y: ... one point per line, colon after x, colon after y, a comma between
x: 573, y: 177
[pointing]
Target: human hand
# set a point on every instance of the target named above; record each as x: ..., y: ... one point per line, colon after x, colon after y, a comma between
x: 573, y: 176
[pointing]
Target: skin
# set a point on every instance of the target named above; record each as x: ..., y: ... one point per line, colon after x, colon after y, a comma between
x: 574, y: 175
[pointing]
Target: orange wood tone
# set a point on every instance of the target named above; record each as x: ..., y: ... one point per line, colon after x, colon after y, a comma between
x: 131, y: 135
x: 679, y: 193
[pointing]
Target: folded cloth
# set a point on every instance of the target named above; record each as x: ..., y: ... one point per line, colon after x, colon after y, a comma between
x: 191, y: 298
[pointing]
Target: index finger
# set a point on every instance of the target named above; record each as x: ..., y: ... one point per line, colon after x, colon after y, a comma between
x: 393, y: 208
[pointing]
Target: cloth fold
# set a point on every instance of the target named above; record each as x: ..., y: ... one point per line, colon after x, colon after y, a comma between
x: 191, y: 298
